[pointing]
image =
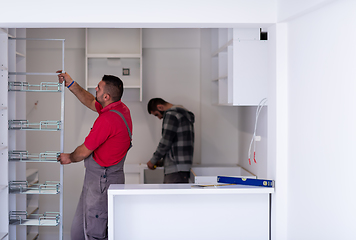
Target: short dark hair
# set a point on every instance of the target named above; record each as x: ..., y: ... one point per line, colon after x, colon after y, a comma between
x: 152, y: 104
x: 114, y: 87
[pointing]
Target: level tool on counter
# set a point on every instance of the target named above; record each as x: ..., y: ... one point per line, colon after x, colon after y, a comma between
x: 246, y: 181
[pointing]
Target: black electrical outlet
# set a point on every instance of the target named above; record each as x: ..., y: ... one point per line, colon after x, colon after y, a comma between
x: 126, y: 71
x: 263, y: 35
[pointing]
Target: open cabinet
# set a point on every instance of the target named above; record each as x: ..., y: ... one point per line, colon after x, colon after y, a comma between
x: 115, y: 52
x: 239, y: 66
x: 20, y: 192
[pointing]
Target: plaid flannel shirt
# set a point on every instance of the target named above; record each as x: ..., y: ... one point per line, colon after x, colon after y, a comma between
x: 176, y: 146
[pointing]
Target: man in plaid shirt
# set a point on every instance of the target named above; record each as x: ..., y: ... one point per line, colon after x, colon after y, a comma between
x: 176, y: 146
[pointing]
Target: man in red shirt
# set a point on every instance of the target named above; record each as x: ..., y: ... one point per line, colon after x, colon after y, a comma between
x: 103, y: 151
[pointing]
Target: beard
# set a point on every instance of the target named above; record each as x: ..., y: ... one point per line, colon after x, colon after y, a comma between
x: 96, y: 99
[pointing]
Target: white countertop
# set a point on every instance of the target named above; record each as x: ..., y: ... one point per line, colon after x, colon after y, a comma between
x: 154, y: 189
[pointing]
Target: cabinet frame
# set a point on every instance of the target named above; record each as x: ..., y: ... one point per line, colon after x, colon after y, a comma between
x: 116, y: 59
x: 239, y: 67
x: 18, y: 84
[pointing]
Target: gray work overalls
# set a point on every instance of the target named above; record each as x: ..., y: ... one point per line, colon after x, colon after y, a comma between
x: 91, y: 217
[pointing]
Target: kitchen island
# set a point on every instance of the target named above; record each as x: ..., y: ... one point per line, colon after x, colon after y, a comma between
x: 188, y: 211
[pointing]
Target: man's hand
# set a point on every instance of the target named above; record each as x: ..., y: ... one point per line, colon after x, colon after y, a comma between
x: 150, y: 165
x: 64, y: 77
x: 64, y: 158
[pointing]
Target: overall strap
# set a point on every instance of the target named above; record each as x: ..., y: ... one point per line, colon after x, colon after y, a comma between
x: 127, y: 126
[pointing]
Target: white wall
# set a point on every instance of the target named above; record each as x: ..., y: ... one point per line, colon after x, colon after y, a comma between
x: 136, y: 13
x: 278, y: 128
x: 289, y: 9
x: 171, y: 70
x: 321, y: 97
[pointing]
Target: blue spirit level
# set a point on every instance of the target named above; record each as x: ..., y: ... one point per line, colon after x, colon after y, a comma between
x: 246, y: 181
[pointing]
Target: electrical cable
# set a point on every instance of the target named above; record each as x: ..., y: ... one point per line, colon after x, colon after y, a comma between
x: 253, y: 141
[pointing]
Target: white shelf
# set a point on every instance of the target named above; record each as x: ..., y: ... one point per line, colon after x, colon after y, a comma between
x: 42, y: 87
x: 217, y: 79
x: 45, y: 219
x: 25, y: 156
x: 122, y: 49
x: 41, y: 126
x: 22, y: 187
x: 234, y: 105
x: 134, y: 87
x: 3, y: 108
x: 105, y: 55
x: 36, y: 222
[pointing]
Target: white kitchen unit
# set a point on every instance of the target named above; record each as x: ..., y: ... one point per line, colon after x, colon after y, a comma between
x: 239, y: 66
x: 207, y: 174
x: 179, y: 211
x: 20, y: 214
x: 115, y: 52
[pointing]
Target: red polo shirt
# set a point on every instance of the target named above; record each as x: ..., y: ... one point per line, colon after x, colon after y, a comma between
x: 109, y: 137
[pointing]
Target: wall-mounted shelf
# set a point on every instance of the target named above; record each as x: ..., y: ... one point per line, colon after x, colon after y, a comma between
x: 239, y: 67
x: 33, y: 74
x: 23, y: 187
x: 42, y: 126
x: 45, y: 219
x: 121, y: 49
x: 24, y: 156
x: 113, y: 55
x: 42, y: 87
